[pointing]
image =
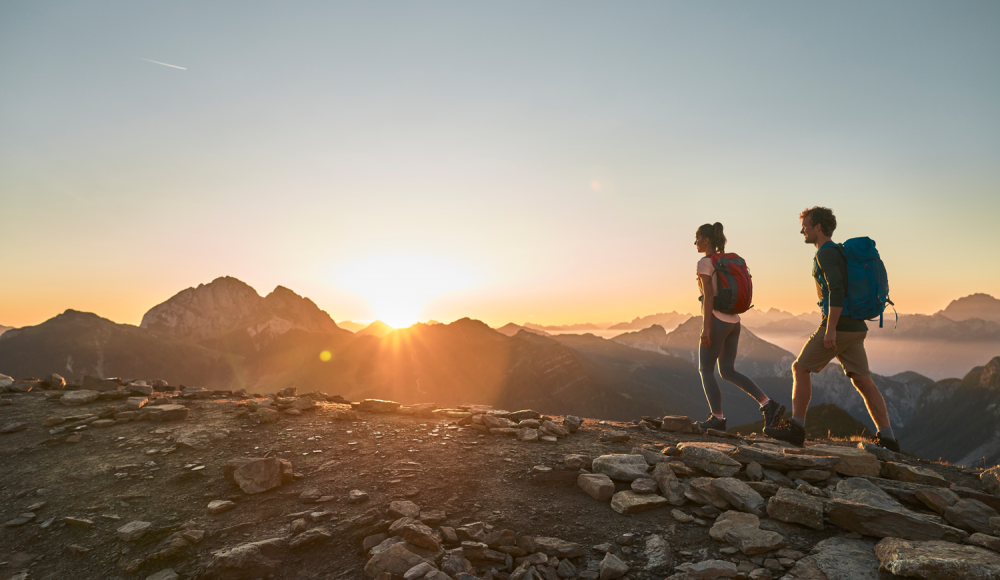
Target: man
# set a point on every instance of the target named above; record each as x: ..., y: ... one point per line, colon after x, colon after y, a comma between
x: 837, y: 336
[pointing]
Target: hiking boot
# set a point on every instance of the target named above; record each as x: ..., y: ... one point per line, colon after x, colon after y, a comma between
x: 789, y: 432
x: 772, y: 413
x: 712, y: 422
x: 886, y: 443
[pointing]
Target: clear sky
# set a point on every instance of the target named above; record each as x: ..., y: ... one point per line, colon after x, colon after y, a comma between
x: 509, y: 161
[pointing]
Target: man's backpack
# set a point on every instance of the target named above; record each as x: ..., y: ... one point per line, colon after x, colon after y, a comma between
x: 867, y: 281
x: 735, y: 292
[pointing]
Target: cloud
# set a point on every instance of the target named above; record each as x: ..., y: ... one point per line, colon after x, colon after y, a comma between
x: 163, y: 63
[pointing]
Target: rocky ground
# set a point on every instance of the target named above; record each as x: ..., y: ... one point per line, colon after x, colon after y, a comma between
x: 119, y: 479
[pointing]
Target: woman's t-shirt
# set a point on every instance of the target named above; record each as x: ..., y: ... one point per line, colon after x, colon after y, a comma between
x: 705, y: 268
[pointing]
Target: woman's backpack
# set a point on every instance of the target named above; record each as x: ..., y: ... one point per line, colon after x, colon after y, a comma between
x: 735, y: 292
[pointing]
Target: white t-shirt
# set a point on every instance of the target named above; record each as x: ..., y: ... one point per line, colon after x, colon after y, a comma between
x: 705, y: 268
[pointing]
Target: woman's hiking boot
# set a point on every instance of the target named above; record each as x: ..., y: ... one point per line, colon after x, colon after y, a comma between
x: 886, y: 443
x: 789, y: 432
x: 772, y: 413
x: 712, y: 422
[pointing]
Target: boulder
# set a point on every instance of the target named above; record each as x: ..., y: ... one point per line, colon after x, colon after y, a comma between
x: 913, y: 474
x: 404, y: 509
x: 132, y: 531
x: 421, y: 535
x: 677, y: 424
x: 671, y: 487
x: 937, y: 499
x: 853, y: 461
x: 709, y: 457
x: 707, y: 570
x: 644, y: 485
x: 659, y: 557
x: 878, y: 521
x: 55, y: 381
x: 984, y: 540
x: 578, y: 461
x: 376, y: 406
x: 74, y: 398
x: 612, y: 567
x: 991, y: 480
x: 98, y: 384
x: 630, y: 502
x: 259, y: 475
x: 937, y: 560
x: 838, y: 558
x: 220, y: 505
x: 622, y: 467
x: 796, y: 507
x: 5, y: 382
x: 752, y: 541
x: 164, y: 413
x: 596, y: 485
x: 251, y: 560
x: 727, y: 520
x: 395, y: 561
x: 971, y: 515
x: 739, y: 495
x: 772, y: 459
x: 554, y: 547
x: 700, y: 491
x: 572, y: 423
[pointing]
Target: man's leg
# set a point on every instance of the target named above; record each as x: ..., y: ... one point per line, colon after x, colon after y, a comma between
x: 874, y: 401
x: 801, y: 391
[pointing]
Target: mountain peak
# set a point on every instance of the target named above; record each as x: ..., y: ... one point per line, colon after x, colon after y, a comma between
x: 377, y: 329
x: 978, y: 305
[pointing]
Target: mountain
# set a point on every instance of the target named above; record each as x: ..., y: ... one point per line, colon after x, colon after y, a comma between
x: 825, y: 421
x: 982, y: 306
x: 510, y: 329
x: 912, y: 378
x: 790, y: 326
x: 4, y: 329
x: 377, y: 328
x: 958, y: 420
x: 75, y: 344
x: 665, y: 319
x: 351, y: 325
x: 581, y: 326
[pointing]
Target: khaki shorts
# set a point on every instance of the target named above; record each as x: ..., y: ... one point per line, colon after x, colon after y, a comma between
x: 850, y: 350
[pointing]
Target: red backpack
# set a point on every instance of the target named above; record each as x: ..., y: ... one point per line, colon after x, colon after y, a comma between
x: 735, y: 292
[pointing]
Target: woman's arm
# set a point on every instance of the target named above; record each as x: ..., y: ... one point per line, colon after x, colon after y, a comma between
x: 707, y: 305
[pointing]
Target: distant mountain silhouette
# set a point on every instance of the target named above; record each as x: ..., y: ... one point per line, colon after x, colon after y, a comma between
x: 556, y: 328
x: 665, y: 319
x: 4, y: 329
x: 793, y: 326
x: 510, y: 329
x: 377, y: 328
x: 351, y: 325
x: 982, y: 306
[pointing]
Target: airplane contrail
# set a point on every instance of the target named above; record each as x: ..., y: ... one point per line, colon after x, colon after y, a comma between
x: 163, y: 63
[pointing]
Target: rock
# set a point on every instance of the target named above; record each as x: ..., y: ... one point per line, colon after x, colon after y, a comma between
x: 937, y: 499
x: 863, y: 491
x: 984, y: 540
x: 55, y: 381
x: 629, y: 502
x: 652, y: 457
x: 376, y: 406
x: 707, y: 570
x: 259, y: 475
x: 257, y: 558
x: 644, y: 485
x: 838, y: 558
x: 765, y: 458
x: 309, y: 538
x: 165, y: 574
x: 529, y: 435
x: 659, y: 558
x: 220, y: 505
x: 809, y: 475
x: 621, y: 467
x: 677, y: 424
x: 75, y: 398
x: 344, y: 415
x: 727, y: 520
x: 418, y: 571
x: 995, y: 524
x: 671, y: 487
x: 612, y: 567
x: 853, y: 462
x: 877, y: 521
x: 796, y: 507
x: 913, y: 474
x: 971, y: 515
x: 681, y: 516
x: 754, y: 471
x: 373, y: 540
x: 765, y: 489
x: 566, y: 569
x: 572, y: 423
x: 404, y: 509
x: 752, y: 541
x: 991, y: 480
x: 194, y: 536
x: 356, y: 496
x: 14, y: 427
x: 421, y: 535
x: 739, y: 495
x: 709, y: 457
x: 164, y: 413
x: 24, y: 385
x: 5, y: 382
x: 132, y: 531
x: 578, y: 461
x: 396, y: 561
x: 554, y: 547
x: 596, y: 485
x: 614, y: 436
x: 937, y: 560
x: 700, y: 491
x: 265, y: 415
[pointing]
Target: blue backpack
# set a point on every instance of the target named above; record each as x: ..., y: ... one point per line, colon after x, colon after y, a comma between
x: 867, y: 281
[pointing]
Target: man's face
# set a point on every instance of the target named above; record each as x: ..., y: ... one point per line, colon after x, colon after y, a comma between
x: 809, y: 231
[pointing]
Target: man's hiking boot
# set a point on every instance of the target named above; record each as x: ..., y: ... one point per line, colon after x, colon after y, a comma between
x: 886, y: 443
x: 712, y: 422
x: 772, y: 413
x: 789, y: 432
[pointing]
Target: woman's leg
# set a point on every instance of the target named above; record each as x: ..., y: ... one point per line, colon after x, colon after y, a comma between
x: 707, y: 358
x: 727, y: 366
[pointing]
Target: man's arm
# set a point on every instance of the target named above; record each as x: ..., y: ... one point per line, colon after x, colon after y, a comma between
x: 830, y: 339
x: 707, y: 305
x: 835, y: 285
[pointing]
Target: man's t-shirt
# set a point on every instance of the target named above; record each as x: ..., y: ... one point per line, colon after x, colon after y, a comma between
x: 705, y: 268
x: 830, y: 272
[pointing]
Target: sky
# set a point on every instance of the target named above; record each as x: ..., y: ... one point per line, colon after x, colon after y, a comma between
x: 542, y: 162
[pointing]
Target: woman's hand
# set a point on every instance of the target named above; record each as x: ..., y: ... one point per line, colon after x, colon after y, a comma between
x: 705, y: 338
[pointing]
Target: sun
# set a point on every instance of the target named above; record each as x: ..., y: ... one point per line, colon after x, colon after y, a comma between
x: 399, y: 286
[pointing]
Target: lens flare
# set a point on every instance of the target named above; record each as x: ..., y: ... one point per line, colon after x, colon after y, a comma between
x: 325, y: 356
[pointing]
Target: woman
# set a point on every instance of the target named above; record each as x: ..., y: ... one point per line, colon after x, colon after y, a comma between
x: 720, y: 337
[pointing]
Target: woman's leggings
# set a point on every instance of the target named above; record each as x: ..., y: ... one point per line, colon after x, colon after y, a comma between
x: 725, y: 339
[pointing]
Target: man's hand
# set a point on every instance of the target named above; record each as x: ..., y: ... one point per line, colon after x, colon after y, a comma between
x: 705, y: 340
x: 830, y: 338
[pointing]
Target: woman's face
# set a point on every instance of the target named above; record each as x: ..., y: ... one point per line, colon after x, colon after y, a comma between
x: 701, y: 243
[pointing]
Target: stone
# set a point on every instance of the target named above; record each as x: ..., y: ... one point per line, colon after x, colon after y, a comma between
x: 796, y: 507
x: 878, y: 521
x: 984, y: 540
x: 700, y: 491
x: 681, y: 516
x: 404, y: 509
x: 861, y: 490
x: 752, y: 540
x: 644, y: 485
x: 24, y: 385
x: 421, y: 535
x: 707, y: 570
x: 765, y: 489
x: 809, y: 475
x: 356, y: 496
x: 937, y: 499
x: 396, y: 561
x: 136, y: 403
x: 612, y: 567
x: 266, y: 415
x: 376, y: 406
x: 578, y: 461
x: 853, y: 461
x: 529, y: 435
x: 76, y: 398
x: 572, y: 423
x: 370, y: 541
x: 991, y: 480
x: 671, y: 487
x: 709, y: 457
x: 995, y: 524
x: 194, y: 536
x: 55, y: 381
x: 838, y: 558
x: 653, y: 458
x: 614, y: 436
x: 754, y: 471
x: 971, y: 515
x: 165, y: 574
x: 259, y: 475
x: 913, y: 474
x: 262, y: 558
x: 14, y: 427
x: 766, y: 458
x: 659, y: 557
x: 554, y: 547
x: 220, y: 505
x: 566, y: 569
x: 727, y: 520
x: 677, y: 424
x: 621, y: 467
x: 5, y: 382
x: 418, y: 571
x: 132, y: 531
x: 309, y: 538
x: 165, y: 413
x: 739, y: 495
x: 937, y: 560
x: 629, y: 502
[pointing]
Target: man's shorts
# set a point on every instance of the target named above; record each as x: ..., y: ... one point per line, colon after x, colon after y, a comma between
x: 850, y: 350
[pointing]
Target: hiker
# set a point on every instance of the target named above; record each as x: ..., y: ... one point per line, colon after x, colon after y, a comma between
x: 837, y: 336
x: 720, y: 335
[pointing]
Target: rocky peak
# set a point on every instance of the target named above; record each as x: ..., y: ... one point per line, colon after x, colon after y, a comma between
x: 979, y: 305
x: 990, y: 377
x: 288, y: 305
